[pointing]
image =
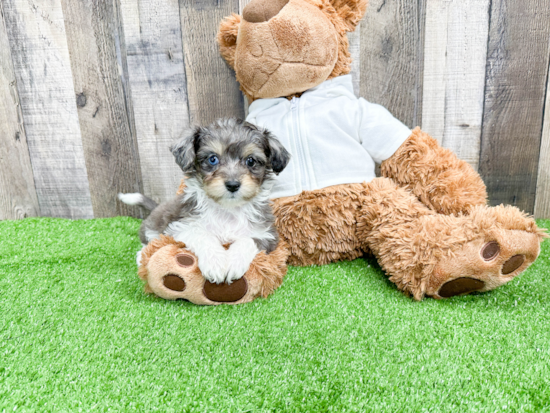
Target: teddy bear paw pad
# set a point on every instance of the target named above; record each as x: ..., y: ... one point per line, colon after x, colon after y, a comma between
x: 460, y: 286
x: 513, y: 264
x: 185, y: 260
x: 490, y: 250
x: 173, y: 282
x: 225, y: 293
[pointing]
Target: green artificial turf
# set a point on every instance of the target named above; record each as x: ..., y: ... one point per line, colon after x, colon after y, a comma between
x: 78, y: 334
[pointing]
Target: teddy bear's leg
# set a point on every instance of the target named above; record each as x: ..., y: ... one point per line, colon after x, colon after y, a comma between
x: 437, y: 255
x: 320, y: 226
x: 435, y: 175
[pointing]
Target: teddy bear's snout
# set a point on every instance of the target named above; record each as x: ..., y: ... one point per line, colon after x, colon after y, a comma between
x: 259, y: 11
x: 280, y: 52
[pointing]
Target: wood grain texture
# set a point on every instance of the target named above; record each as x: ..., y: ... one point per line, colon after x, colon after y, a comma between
x: 122, y: 59
x: 17, y: 192
x: 157, y: 80
x: 517, y: 68
x: 455, y: 57
x: 110, y: 150
x: 354, y: 39
x: 242, y: 5
x: 36, y: 34
x: 542, y: 200
x: 392, y: 42
x: 213, y: 91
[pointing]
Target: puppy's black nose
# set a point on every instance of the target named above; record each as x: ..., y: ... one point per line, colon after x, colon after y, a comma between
x: 232, y: 186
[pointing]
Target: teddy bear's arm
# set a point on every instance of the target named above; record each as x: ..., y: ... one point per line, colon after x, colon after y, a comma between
x: 435, y: 175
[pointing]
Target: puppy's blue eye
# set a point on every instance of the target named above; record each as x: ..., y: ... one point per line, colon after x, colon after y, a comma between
x: 213, y: 160
x: 250, y: 162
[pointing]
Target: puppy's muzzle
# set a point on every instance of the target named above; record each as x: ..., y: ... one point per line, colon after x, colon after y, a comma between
x: 232, y: 186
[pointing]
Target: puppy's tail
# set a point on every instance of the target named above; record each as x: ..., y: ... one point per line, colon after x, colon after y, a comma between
x: 138, y: 200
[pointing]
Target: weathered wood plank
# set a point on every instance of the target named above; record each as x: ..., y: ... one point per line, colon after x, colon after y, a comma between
x: 392, y: 44
x: 517, y: 69
x: 158, y: 86
x: 42, y: 68
x: 213, y: 91
x: 110, y: 150
x: 435, y: 68
x: 354, y: 39
x: 242, y: 5
x: 542, y: 200
x: 120, y: 45
x: 17, y: 192
x: 454, y: 74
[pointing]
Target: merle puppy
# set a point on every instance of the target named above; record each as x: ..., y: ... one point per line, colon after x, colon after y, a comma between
x: 229, y: 167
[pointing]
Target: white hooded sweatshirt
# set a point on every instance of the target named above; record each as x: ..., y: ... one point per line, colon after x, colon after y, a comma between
x: 334, y: 137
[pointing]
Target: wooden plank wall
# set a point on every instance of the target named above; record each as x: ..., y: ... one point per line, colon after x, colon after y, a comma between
x: 212, y: 89
x: 159, y: 88
x: 110, y: 147
x: 392, y: 57
x: 92, y: 93
x: 40, y: 55
x: 454, y: 74
x: 17, y: 191
x: 542, y: 201
x: 516, y: 78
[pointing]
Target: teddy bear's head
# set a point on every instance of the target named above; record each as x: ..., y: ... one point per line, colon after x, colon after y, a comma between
x: 284, y: 47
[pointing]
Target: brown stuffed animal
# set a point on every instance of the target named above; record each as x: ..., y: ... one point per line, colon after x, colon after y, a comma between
x: 425, y: 219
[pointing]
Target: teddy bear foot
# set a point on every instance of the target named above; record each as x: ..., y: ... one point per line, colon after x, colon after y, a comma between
x: 487, y: 262
x: 172, y: 272
x: 430, y: 254
x: 484, y: 264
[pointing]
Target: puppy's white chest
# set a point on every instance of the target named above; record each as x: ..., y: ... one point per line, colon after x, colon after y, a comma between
x: 226, y: 226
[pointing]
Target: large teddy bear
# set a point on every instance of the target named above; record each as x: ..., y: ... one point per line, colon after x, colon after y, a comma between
x: 426, y: 219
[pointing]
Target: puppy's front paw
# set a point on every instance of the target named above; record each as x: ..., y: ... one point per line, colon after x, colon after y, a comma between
x: 214, y: 266
x: 241, y: 254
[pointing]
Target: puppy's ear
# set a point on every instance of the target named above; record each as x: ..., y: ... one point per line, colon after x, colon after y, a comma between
x: 227, y: 38
x: 278, y: 156
x: 184, y: 149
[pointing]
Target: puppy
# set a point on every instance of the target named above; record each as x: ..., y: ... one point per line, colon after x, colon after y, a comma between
x: 229, y: 167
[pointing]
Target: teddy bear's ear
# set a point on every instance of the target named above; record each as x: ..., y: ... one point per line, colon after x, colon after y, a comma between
x: 351, y: 11
x: 227, y: 38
